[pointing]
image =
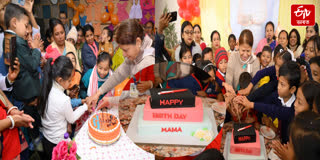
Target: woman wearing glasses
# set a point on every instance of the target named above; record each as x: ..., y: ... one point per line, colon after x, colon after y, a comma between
x: 187, y: 37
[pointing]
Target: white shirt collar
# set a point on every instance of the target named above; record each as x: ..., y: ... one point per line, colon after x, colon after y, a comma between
x: 8, y: 30
x: 289, y: 102
x: 223, y: 75
x: 58, y: 86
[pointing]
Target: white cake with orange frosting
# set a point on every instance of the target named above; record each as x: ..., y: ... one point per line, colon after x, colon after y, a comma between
x: 104, y: 128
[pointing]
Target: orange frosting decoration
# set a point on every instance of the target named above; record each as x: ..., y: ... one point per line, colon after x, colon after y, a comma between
x: 104, y: 128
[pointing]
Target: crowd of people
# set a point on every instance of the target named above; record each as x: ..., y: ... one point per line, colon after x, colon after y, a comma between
x: 50, y: 84
x: 46, y: 86
x: 276, y: 85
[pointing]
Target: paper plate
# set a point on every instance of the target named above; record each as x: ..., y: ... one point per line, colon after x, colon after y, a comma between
x: 267, y: 132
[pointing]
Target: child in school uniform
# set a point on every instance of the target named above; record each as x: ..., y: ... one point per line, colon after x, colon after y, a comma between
x: 265, y: 58
x: 232, y: 42
x: 280, y: 104
x: 272, y: 72
x: 200, y: 83
x: 304, y: 138
x: 207, y: 54
x: 221, y: 59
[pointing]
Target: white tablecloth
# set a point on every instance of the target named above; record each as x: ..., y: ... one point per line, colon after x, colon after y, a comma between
x: 124, y: 148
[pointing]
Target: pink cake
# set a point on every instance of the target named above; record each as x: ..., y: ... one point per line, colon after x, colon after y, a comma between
x: 246, y: 148
x: 188, y: 114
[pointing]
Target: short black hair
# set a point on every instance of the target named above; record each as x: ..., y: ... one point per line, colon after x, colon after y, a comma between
x: 291, y: 71
x: 267, y: 48
x: 259, y: 54
x: 195, y: 57
x: 287, y: 35
x: 301, y: 61
x: 209, y: 154
x: 213, y: 32
x: 63, y: 12
x: 315, y: 60
x: 206, y: 50
x: 104, y: 56
x: 149, y: 22
x: 79, y: 28
x: 13, y: 11
x: 110, y: 33
x: 86, y: 28
x: 184, y: 49
x: 244, y: 80
x: 232, y: 36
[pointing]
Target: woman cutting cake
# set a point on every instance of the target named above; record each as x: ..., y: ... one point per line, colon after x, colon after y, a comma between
x: 139, y: 54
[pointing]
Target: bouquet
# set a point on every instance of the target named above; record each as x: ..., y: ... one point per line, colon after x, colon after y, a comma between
x: 65, y: 150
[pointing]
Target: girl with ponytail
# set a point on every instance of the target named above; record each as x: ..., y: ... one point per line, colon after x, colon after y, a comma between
x: 54, y: 105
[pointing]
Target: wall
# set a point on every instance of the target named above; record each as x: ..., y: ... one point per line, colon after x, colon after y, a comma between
x: 95, y: 8
x: 210, y: 22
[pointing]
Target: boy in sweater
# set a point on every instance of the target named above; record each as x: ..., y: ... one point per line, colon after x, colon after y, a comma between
x: 280, y: 103
x: 26, y: 87
x: 221, y: 58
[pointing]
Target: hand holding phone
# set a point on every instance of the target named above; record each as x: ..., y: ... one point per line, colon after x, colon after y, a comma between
x: 173, y: 16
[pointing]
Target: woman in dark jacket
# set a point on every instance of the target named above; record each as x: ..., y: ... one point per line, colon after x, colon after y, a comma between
x: 89, y: 52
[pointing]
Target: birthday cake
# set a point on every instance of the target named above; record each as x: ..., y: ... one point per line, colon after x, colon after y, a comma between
x: 245, y: 143
x: 104, y: 128
x: 169, y: 117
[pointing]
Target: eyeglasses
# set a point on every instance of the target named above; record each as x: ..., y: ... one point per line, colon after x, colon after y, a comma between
x: 197, y: 32
x: 189, y: 32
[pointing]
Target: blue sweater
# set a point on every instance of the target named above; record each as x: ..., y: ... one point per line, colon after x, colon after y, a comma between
x: 88, y: 57
x: 272, y: 106
x: 194, y: 85
x: 269, y: 71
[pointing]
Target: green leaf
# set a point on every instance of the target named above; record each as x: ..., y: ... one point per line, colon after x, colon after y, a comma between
x: 201, y: 139
x: 192, y: 134
x: 205, y: 129
x: 78, y: 157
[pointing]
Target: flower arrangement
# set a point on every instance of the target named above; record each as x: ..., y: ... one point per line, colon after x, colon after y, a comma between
x: 65, y: 150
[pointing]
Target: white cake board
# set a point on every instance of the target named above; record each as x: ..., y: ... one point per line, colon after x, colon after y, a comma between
x: 226, y: 151
x: 132, y: 133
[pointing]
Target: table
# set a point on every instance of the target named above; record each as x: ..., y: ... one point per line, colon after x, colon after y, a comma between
x: 126, y: 110
x: 124, y: 148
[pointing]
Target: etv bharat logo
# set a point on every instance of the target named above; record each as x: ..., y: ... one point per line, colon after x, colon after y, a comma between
x: 302, y: 15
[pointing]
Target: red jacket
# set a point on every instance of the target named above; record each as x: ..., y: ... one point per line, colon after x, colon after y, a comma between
x: 11, y: 147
